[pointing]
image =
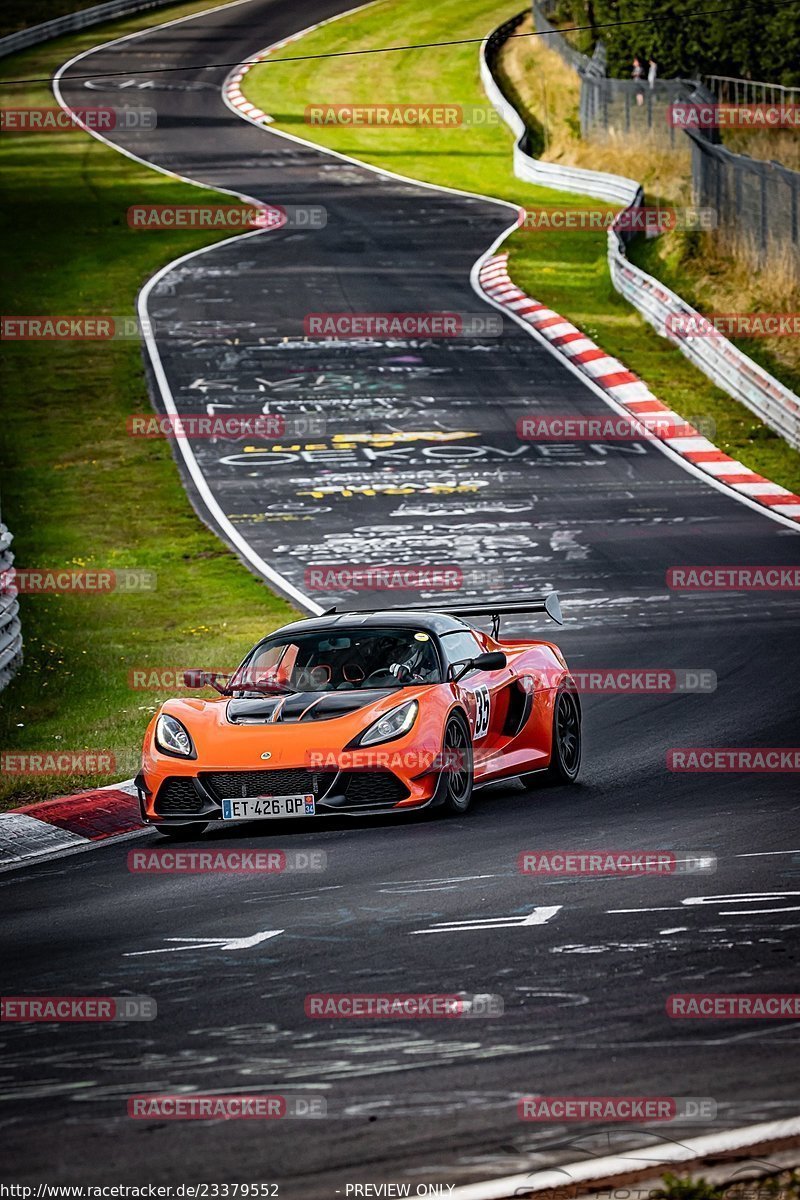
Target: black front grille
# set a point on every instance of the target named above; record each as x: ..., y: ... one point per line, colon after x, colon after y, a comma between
x: 178, y: 796
x: 293, y: 781
x: 372, y: 789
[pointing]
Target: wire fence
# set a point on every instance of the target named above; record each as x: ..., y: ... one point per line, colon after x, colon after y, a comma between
x: 717, y: 357
x: 755, y: 200
x: 612, y: 108
x: 556, y: 40
x: 10, y: 629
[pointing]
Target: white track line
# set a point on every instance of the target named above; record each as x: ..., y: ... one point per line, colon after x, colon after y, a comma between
x: 646, y: 1157
x: 232, y: 85
x: 214, y: 509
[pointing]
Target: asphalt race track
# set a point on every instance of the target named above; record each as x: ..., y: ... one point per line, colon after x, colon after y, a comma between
x: 585, y: 990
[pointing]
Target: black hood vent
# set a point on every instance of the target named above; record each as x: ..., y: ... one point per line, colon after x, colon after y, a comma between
x: 301, y: 706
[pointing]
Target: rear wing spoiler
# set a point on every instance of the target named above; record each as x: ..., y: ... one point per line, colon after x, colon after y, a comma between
x: 548, y: 604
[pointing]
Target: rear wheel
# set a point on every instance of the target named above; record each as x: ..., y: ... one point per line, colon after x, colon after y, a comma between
x: 565, y: 759
x: 182, y: 833
x: 457, y: 765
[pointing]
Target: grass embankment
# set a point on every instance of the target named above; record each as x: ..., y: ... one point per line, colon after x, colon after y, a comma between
x: 77, y: 490
x: 713, y: 271
x: 565, y: 269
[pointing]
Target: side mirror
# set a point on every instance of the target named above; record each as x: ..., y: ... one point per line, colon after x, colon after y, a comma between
x: 492, y: 660
x: 200, y: 679
x: 195, y: 678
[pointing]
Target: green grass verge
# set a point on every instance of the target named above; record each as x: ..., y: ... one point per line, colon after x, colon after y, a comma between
x: 76, y: 489
x: 566, y: 269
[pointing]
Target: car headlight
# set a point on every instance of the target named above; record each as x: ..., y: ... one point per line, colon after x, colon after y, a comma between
x: 173, y: 738
x: 391, y: 725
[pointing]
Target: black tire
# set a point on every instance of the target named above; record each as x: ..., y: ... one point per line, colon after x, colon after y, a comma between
x: 182, y: 833
x: 460, y: 781
x: 565, y: 760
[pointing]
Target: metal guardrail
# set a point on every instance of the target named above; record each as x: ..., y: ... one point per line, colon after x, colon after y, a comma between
x: 614, y: 188
x: 10, y: 629
x: 70, y: 22
x: 727, y: 89
x: 722, y: 362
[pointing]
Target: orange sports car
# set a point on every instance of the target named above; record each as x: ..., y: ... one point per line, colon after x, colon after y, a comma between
x: 364, y: 712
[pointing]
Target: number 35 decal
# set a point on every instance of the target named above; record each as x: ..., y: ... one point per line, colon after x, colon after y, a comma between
x: 483, y: 708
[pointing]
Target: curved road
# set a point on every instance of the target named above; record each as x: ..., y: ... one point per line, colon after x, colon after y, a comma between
x: 585, y: 992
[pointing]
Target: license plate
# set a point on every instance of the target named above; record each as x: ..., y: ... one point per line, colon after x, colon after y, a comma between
x: 264, y: 808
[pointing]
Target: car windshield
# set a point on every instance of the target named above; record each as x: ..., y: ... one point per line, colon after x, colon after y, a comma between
x: 339, y: 660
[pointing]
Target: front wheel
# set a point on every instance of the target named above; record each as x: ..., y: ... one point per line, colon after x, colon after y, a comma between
x: 182, y: 833
x: 458, y: 765
x: 565, y: 757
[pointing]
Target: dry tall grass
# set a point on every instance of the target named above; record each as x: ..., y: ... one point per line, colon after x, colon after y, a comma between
x: 723, y: 271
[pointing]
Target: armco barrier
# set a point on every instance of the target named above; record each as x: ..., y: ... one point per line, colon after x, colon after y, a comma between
x: 10, y: 631
x: 614, y: 188
x: 723, y: 363
x: 70, y: 22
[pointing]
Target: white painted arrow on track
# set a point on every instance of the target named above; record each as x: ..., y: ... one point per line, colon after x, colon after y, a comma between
x: 537, y: 916
x: 210, y: 943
